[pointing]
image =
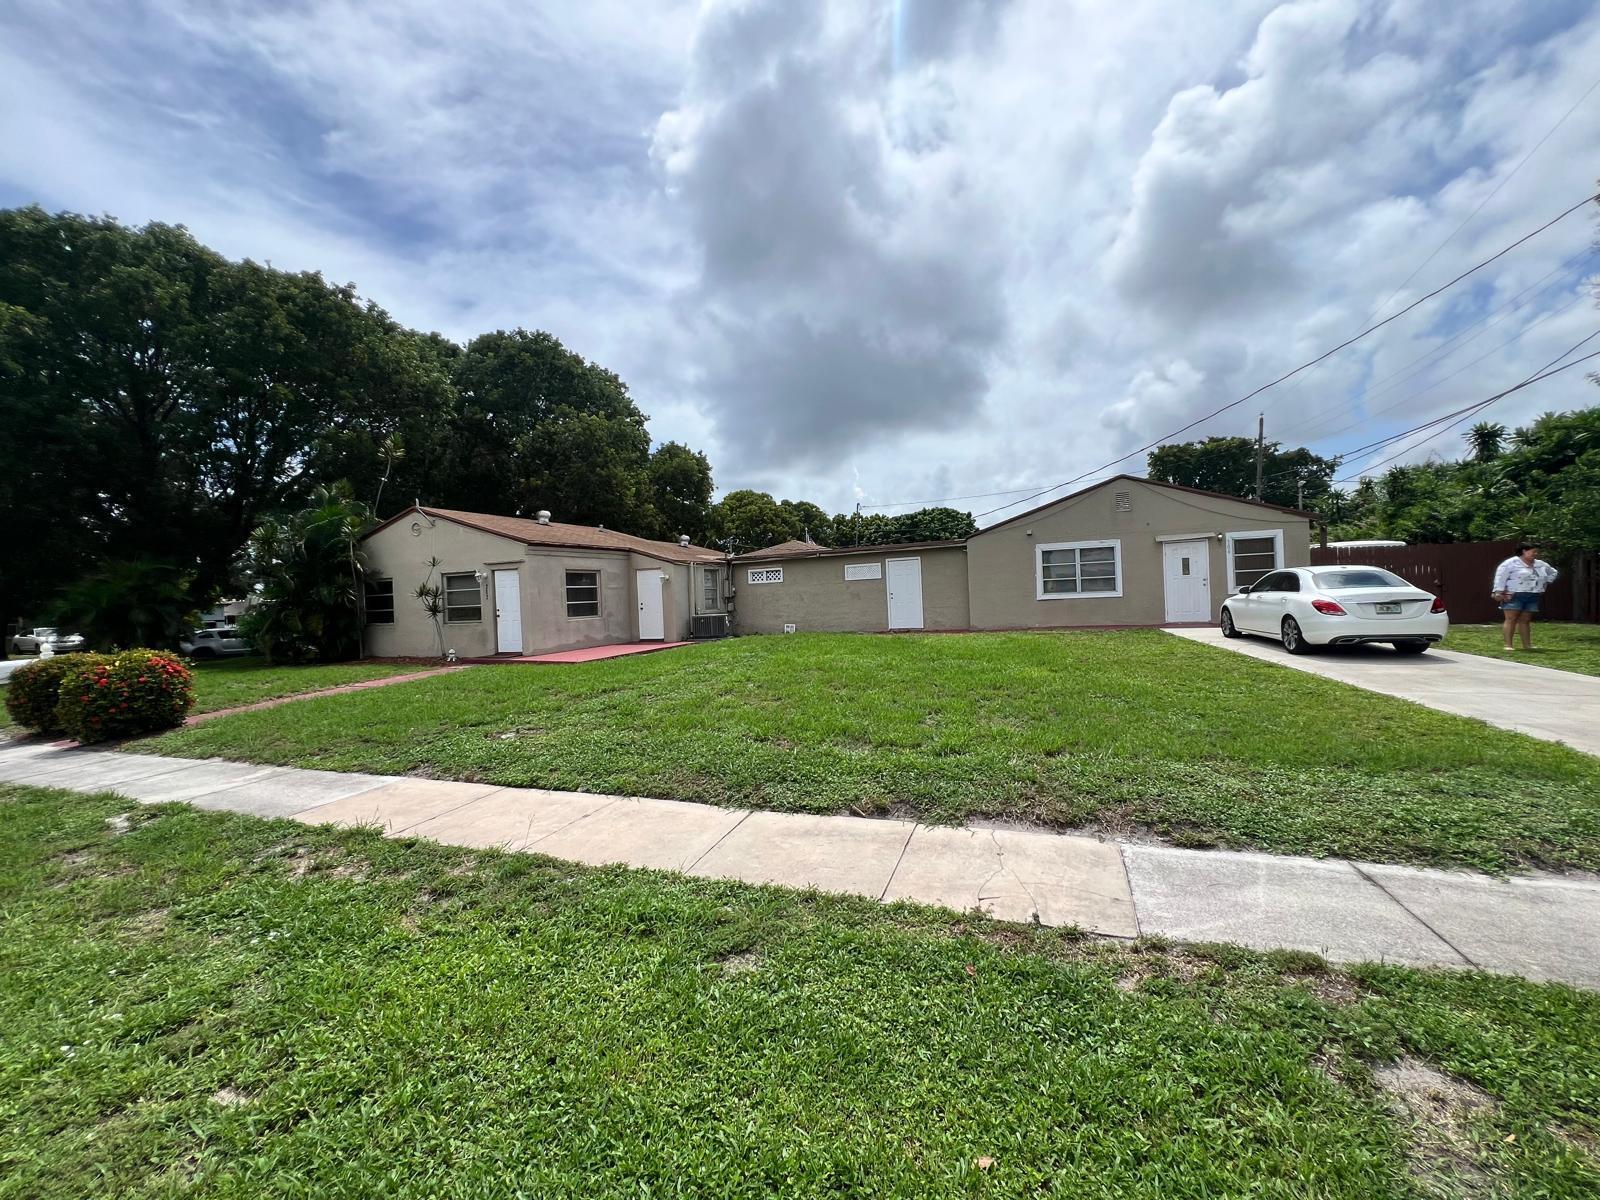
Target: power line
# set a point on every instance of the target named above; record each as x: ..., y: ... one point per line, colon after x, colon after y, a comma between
x: 1492, y: 194
x: 1470, y: 411
x: 1312, y: 362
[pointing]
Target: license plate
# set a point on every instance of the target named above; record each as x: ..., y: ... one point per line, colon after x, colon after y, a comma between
x: 1388, y: 609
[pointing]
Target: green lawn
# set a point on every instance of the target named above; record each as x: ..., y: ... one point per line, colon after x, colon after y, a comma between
x: 1119, y: 731
x: 1558, y: 644
x: 230, y: 682
x: 215, y: 1006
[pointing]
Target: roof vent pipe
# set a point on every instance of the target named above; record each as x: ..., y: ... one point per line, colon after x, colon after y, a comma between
x: 543, y: 515
x: 683, y: 539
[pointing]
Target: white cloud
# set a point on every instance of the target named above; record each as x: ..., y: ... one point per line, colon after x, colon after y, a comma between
x: 872, y: 251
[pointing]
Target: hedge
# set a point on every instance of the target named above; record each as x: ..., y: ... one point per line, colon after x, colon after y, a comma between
x: 35, y: 688
x: 124, y: 695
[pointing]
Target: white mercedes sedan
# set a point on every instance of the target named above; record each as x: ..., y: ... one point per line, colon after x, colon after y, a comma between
x: 1306, y: 607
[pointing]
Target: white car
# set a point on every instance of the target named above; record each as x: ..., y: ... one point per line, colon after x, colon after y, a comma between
x: 32, y: 643
x: 1306, y: 607
x: 213, y: 643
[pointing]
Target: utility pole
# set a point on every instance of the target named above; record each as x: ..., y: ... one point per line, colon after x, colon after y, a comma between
x: 857, y: 522
x: 1299, y: 493
x: 1261, y: 441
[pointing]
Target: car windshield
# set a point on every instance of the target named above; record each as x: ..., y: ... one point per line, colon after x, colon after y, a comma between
x: 1364, y: 578
x: 45, y: 631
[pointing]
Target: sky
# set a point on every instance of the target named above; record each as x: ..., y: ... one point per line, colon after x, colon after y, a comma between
x: 883, y: 251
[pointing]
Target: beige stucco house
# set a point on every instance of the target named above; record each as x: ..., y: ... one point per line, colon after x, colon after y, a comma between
x: 1128, y: 551
x: 521, y: 586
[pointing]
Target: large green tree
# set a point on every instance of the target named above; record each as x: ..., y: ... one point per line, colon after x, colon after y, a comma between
x: 680, y: 492
x: 162, y: 399
x: 746, y: 520
x: 1228, y: 465
x: 539, y: 427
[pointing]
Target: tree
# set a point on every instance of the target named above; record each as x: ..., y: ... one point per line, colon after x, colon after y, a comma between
x: 1228, y: 465
x: 747, y: 520
x: 680, y: 492
x: 172, y: 397
x: 810, y: 520
x: 1486, y: 439
x: 120, y: 605
x: 538, y: 427
x: 309, y: 569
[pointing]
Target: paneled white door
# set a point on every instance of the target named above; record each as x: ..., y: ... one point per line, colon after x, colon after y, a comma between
x: 903, y: 577
x: 652, y: 610
x: 1186, y: 570
x: 508, y: 612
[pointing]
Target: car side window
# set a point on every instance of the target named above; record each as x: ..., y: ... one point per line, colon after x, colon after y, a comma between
x: 1288, y: 581
x: 1267, y: 583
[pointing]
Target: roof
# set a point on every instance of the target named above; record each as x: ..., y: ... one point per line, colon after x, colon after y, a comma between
x: 1176, y: 487
x: 576, y: 537
x: 809, y: 550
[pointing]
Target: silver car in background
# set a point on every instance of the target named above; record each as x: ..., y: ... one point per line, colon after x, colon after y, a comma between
x: 45, y: 635
x: 213, y: 643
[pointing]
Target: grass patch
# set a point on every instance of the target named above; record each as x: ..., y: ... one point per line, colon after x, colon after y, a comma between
x: 231, y: 682
x: 1558, y: 644
x: 1117, y: 730
x: 223, y: 1006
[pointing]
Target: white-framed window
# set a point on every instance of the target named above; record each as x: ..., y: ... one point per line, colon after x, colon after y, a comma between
x: 1078, y: 570
x: 765, y: 575
x: 583, y: 594
x: 463, y: 598
x: 380, y: 601
x: 1252, y: 554
x: 710, y: 589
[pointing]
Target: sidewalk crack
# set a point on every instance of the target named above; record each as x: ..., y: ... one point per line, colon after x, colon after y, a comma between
x: 1405, y: 908
x: 887, y: 883
x: 691, y: 866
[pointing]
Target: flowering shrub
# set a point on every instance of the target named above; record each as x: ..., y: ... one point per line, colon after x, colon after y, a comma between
x: 122, y: 695
x: 35, y: 688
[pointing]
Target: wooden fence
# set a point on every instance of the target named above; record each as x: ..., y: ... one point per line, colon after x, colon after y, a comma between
x: 1462, y: 573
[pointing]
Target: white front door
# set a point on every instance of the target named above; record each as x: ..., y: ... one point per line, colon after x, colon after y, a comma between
x: 904, y: 580
x: 508, y: 612
x: 652, y: 611
x: 1186, y: 569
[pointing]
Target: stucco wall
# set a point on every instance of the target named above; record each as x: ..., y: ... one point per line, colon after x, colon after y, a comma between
x: 815, y: 596
x: 1001, y: 561
x: 398, y: 554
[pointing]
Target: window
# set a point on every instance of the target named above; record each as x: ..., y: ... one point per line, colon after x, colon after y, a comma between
x: 1368, y: 577
x: 463, y: 598
x: 1279, y: 581
x: 710, y: 589
x: 583, y: 594
x: 765, y: 575
x: 1252, y: 555
x: 1069, y: 570
x: 380, y: 602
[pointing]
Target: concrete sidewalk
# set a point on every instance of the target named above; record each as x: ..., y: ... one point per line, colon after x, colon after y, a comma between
x: 1555, y: 706
x: 1544, y: 928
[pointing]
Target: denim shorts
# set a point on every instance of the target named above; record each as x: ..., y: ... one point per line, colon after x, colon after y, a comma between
x: 1527, y: 602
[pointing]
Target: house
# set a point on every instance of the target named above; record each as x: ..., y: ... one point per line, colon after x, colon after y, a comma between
x: 517, y: 585
x: 1127, y: 551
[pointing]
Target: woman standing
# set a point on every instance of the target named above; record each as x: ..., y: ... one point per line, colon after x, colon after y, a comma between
x: 1518, y: 584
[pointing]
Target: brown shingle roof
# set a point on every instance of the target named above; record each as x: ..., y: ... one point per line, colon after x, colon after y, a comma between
x: 577, y: 537
x: 810, y: 550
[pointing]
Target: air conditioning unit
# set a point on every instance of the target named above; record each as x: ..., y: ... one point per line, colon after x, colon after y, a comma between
x: 712, y: 625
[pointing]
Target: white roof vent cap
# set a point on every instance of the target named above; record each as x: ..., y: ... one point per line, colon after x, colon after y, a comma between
x: 543, y: 516
x: 683, y: 539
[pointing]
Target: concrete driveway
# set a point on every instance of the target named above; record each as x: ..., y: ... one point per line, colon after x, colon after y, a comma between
x: 1558, y: 706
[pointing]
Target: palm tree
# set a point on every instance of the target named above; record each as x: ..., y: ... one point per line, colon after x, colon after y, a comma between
x: 1487, y: 439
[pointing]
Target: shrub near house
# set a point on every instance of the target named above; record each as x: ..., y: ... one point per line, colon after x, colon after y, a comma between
x: 104, y: 696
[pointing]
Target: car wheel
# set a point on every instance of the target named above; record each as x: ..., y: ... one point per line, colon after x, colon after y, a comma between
x: 1229, y: 629
x: 16, y: 648
x: 1294, y: 641
x: 1410, y: 647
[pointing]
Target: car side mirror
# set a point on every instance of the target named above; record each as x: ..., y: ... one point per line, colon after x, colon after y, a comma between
x: 1245, y: 590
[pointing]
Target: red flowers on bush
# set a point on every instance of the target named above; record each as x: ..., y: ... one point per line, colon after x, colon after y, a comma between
x: 151, y: 690
x: 35, y: 689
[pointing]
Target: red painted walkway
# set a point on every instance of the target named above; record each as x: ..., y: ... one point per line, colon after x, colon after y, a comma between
x: 586, y: 654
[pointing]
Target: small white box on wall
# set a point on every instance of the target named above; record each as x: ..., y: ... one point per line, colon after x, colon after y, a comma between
x: 788, y: 628
x: 863, y: 571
